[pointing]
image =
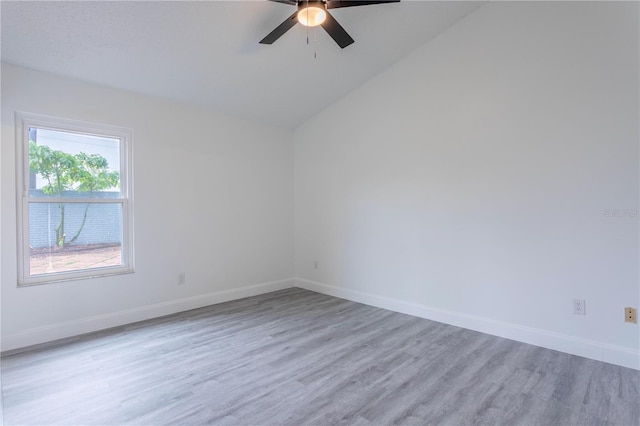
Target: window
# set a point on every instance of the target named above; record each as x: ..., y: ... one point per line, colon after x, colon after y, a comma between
x: 74, y: 200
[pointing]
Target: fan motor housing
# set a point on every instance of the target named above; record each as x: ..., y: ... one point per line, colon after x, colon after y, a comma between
x: 311, y: 3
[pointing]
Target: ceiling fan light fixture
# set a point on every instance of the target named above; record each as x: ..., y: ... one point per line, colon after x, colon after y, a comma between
x: 311, y: 14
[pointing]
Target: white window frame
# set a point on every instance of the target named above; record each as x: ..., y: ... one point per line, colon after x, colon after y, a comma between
x: 23, y: 122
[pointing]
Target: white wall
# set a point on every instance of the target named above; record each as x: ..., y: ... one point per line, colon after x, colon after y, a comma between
x: 468, y: 183
x: 213, y: 197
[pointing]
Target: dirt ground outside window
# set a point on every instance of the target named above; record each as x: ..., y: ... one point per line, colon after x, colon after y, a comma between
x: 74, y: 258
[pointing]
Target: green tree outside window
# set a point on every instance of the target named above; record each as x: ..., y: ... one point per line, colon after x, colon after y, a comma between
x: 66, y: 172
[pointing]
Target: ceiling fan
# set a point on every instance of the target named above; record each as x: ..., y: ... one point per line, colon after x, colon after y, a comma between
x: 312, y: 13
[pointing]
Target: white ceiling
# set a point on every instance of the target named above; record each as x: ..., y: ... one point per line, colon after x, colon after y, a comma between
x: 207, y: 53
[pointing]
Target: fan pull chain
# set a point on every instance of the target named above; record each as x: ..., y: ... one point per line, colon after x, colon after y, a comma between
x: 307, y: 11
x: 315, y: 34
x: 315, y: 44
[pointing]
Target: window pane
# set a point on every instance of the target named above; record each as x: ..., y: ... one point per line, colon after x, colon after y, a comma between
x: 67, y: 237
x: 65, y: 164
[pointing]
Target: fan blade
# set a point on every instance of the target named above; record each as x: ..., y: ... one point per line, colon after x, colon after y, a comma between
x: 281, y: 29
x: 336, y: 31
x: 291, y: 2
x: 334, y: 4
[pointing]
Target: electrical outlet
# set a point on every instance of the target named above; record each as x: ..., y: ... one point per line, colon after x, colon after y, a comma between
x: 315, y: 264
x: 630, y: 315
x: 579, y: 307
x: 181, y: 278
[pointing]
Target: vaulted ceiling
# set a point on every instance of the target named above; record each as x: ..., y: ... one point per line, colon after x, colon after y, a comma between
x: 206, y: 53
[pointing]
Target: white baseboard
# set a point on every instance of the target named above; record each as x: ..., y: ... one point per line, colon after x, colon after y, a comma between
x: 618, y: 355
x: 62, y: 330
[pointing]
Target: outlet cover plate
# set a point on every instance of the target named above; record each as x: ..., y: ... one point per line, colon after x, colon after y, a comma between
x: 579, y: 307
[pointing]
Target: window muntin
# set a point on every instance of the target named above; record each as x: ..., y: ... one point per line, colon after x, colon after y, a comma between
x: 75, y: 218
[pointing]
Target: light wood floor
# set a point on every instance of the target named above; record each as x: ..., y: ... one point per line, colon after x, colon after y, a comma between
x: 297, y: 357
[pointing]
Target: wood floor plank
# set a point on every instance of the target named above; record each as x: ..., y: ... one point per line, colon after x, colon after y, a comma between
x: 295, y: 357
